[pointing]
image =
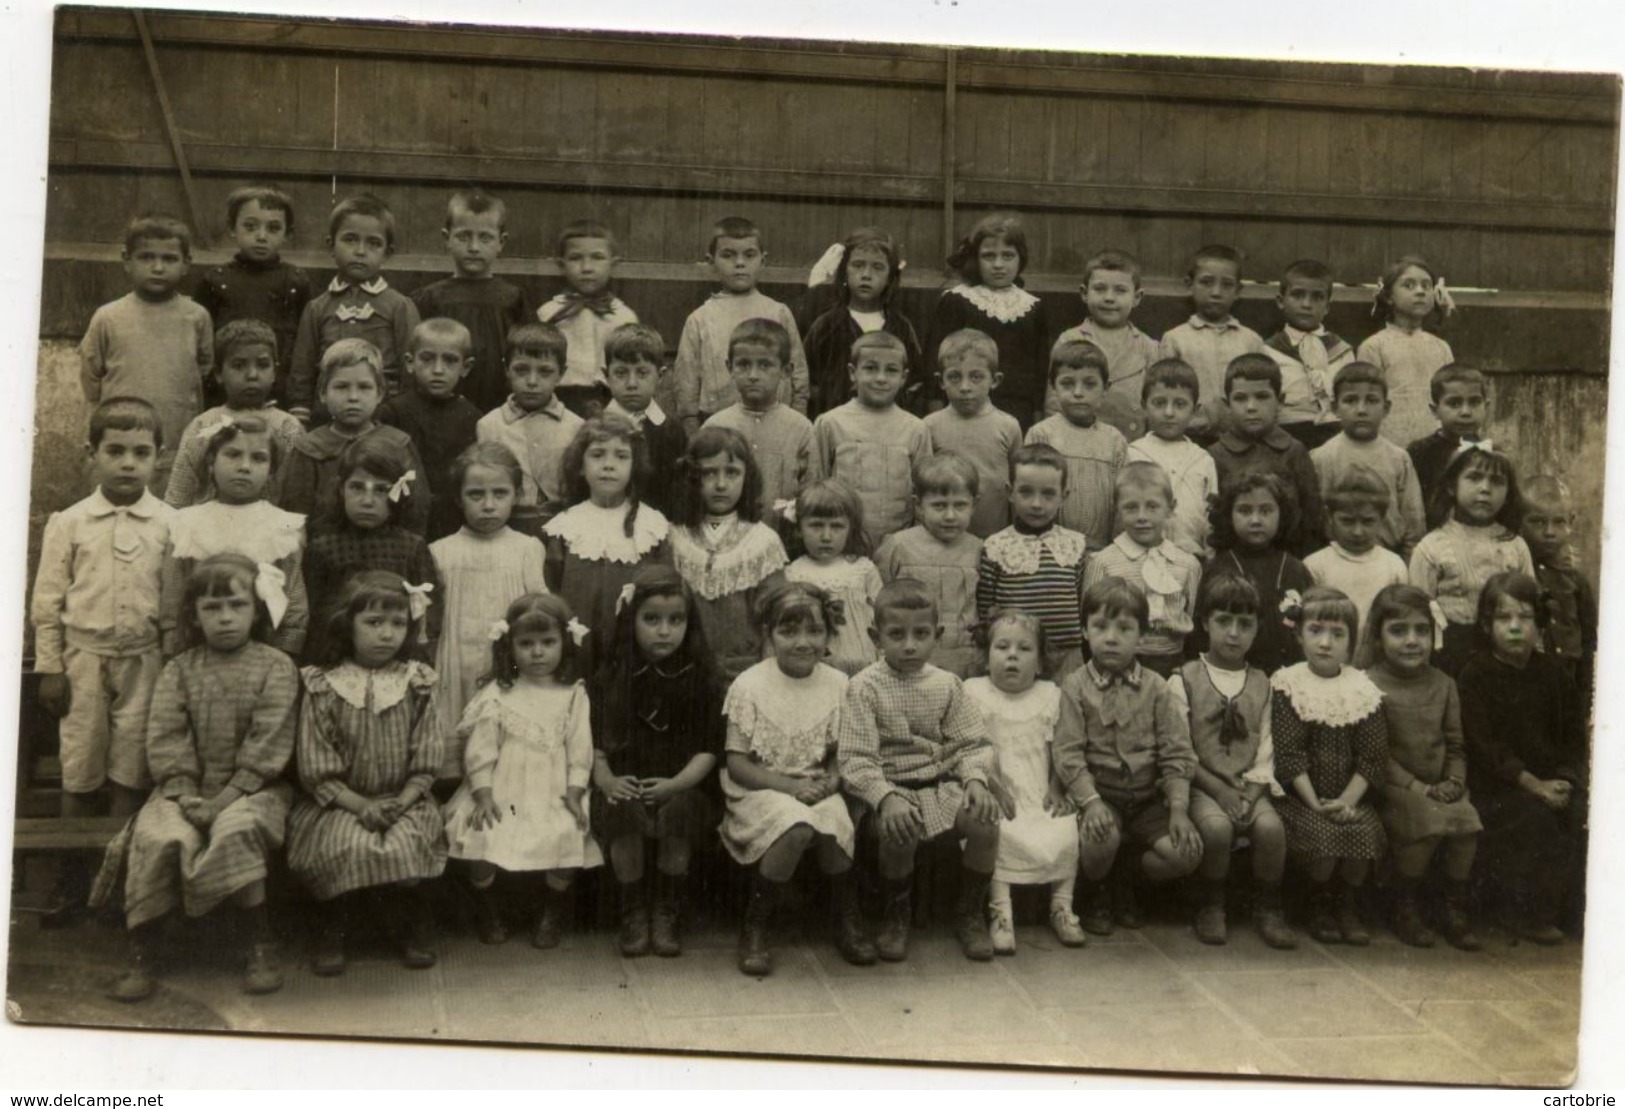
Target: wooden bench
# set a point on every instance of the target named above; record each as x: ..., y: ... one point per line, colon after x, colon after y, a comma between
x: 55, y: 833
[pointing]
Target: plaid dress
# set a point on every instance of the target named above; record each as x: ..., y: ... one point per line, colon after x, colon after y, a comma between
x: 217, y: 720
x: 373, y: 732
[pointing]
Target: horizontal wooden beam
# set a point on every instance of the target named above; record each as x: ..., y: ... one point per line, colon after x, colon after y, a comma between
x: 1386, y: 89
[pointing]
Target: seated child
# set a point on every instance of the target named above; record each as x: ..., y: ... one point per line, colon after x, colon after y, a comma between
x: 1248, y: 521
x: 1460, y: 400
x: 1212, y: 338
x: 1570, y: 637
x: 1252, y: 441
x: 868, y: 274
x: 1410, y: 293
x: 1170, y: 396
x: 1360, y: 396
x: 533, y: 423
x: 1094, y: 451
x: 440, y: 423
x: 915, y: 755
x: 1111, y: 291
x: 586, y: 313
x: 968, y: 370
x: 1308, y: 354
x: 1353, y: 562
x: 780, y: 438
x: 634, y: 363
x: 1123, y: 754
x: 829, y: 518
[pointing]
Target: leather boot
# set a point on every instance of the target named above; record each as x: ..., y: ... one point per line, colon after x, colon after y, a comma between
x: 488, y: 924
x: 1349, y: 924
x: 1409, y: 926
x: 417, y: 935
x: 633, y: 938
x: 139, y: 980
x: 1458, y: 925
x: 896, y: 913
x: 970, y: 916
x: 754, y: 957
x: 1322, y: 915
x: 664, y: 926
x: 1269, y: 921
x: 1210, y: 922
x: 549, y: 928
x: 851, y: 935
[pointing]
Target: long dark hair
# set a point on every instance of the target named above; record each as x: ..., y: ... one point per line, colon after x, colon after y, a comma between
x: 707, y: 443
x: 872, y: 238
x: 603, y: 429
x: 1443, y: 501
x: 1221, y: 515
x: 655, y: 580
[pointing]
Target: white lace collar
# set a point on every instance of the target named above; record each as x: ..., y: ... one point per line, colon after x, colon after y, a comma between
x: 259, y: 531
x: 737, y: 557
x: 388, y: 685
x: 598, y: 534
x: 1006, y: 305
x: 1016, y: 552
x: 1346, y: 699
x: 793, y: 705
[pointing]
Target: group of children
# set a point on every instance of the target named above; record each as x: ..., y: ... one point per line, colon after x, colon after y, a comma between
x: 544, y: 624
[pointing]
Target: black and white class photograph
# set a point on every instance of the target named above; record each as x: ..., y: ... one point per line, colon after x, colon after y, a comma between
x: 1046, y: 561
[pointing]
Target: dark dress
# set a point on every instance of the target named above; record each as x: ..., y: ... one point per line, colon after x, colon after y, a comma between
x: 829, y: 355
x: 1272, y: 573
x: 1329, y: 729
x: 274, y: 293
x: 488, y: 307
x: 332, y: 556
x: 308, y: 481
x: 440, y: 430
x: 1023, y: 352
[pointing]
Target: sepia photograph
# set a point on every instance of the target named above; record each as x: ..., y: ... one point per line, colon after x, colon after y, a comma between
x: 795, y: 548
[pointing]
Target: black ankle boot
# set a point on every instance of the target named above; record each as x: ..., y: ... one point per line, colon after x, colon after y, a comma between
x: 549, y: 928
x: 633, y: 938
x: 970, y: 916
x: 417, y: 928
x: 666, y: 924
x: 896, y: 914
x: 851, y: 935
x: 139, y: 980
x: 755, y: 958
x: 1409, y: 926
x: 488, y: 924
x: 1458, y: 924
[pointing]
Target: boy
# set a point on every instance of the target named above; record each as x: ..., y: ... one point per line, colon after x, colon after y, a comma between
x: 1169, y: 398
x: 942, y: 553
x: 703, y: 385
x: 1354, y: 561
x: 475, y: 232
x: 1308, y: 354
x: 1251, y: 441
x: 780, y: 438
x: 871, y: 444
x: 1570, y: 637
x: 95, y: 616
x: 1142, y: 556
x: 1123, y: 754
x: 1212, y: 338
x: 1094, y: 451
x: 357, y: 304
x: 1111, y: 291
x: 153, y: 342
x: 586, y: 312
x: 534, y: 424
x: 1460, y: 401
x: 441, y: 424
x: 257, y: 284
x: 914, y: 751
x: 635, y: 361
x: 1360, y: 399
x: 971, y: 427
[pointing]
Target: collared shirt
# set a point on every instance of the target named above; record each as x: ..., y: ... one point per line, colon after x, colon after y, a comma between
x: 1278, y: 453
x: 701, y: 367
x: 654, y: 414
x: 1306, y: 390
x: 538, y: 440
x: 585, y: 331
x: 1124, y: 732
x: 1208, y: 347
x: 1195, y: 481
x: 372, y: 311
x: 99, y: 579
x: 1094, y: 455
x: 1129, y: 353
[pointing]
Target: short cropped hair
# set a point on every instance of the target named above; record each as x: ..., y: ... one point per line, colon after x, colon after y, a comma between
x: 881, y: 340
x: 904, y: 595
x: 1078, y: 354
x: 1038, y: 454
x: 1454, y: 373
x: 1215, y: 252
x: 363, y: 204
x: 1114, y: 261
x: 1115, y: 597
x: 965, y: 345
x: 1322, y: 602
x: 125, y: 414
x: 156, y: 228
x: 732, y: 227
x: 441, y: 327
x: 1172, y: 373
x: 1253, y: 367
x: 1307, y: 269
x: 946, y: 472
x: 475, y: 202
x: 1358, y: 487
x: 268, y: 197
x: 762, y: 333
x: 350, y: 352
x: 583, y: 229
x: 1360, y: 373
x: 242, y: 333
x: 1142, y: 475
x: 538, y: 340
x: 1229, y: 593
x: 1547, y: 490
x: 633, y: 340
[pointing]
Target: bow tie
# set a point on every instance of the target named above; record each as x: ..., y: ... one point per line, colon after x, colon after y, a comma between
x: 600, y: 305
x: 1233, y: 726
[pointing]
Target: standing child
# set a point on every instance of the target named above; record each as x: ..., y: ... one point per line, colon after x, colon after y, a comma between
x: 586, y: 313
x: 475, y: 232
x: 869, y: 443
x: 257, y: 285
x: 1123, y: 754
x: 527, y: 757
x: 152, y: 343
x: 1309, y: 355
x: 1212, y: 339
x: 1248, y: 521
x: 914, y: 752
x: 1039, y: 845
x: 1354, y: 563
x: 350, y: 386
x: 533, y: 422
x: 1409, y: 294
x: 1111, y: 291
x: 247, y: 351
x: 782, y: 788
x: 1252, y: 441
x: 1478, y: 497
x: 657, y: 728
x: 1227, y: 704
x: 1331, y: 747
x: 635, y: 361
x: 219, y: 736
x: 1094, y: 451
x: 369, y: 747
x: 482, y: 568
x: 440, y: 423
x: 1361, y: 399
x: 1145, y: 558
x: 1170, y: 397
x: 989, y: 298
x: 968, y: 370
x: 705, y: 348
x: 942, y: 554
x: 829, y: 518
x: 239, y: 458
x: 780, y: 438
x: 1570, y: 636
x: 867, y: 275
x: 1035, y: 564
x: 1461, y: 403
x: 595, y: 546
x: 722, y: 550
x: 1425, y: 807
x: 357, y: 304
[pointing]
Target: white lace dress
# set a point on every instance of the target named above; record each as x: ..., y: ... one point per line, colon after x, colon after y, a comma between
x: 1035, y: 847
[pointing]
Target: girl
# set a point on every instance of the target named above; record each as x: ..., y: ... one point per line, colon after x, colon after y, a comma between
x: 1248, y: 521
x: 990, y: 299
x: 528, y: 757
x: 483, y: 567
x: 1424, y: 792
x: 1409, y: 294
x: 1331, y: 745
x: 369, y: 747
x: 829, y: 517
x: 240, y: 456
x: 782, y: 789
x: 219, y: 734
x: 1478, y: 500
x: 1040, y: 843
x: 867, y: 273
x: 1525, y: 726
x: 596, y: 545
x: 724, y: 553
x: 656, y: 725
x: 363, y: 532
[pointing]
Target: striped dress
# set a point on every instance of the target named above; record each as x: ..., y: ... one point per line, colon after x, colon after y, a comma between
x: 375, y: 733
x: 217, y: 720
x: 1039, y: 574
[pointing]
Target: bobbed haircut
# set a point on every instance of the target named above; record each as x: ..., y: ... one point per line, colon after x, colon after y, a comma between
x: 346, y: 353
x: 967, y: 345
x: 536, y: 340
x: 1172, y: 373
x: 632, y: 341
x: 1221, y: 516
x: 761, y: 333
x: 606, y: 428
x: 870, y: 238
x: 1305, y: 270
x: 1323, y: 603
x: 583, y: 229
x: 240, y: 425
x: 375, y: 458
x: 709, y: 442
x: 1457, y: 373
x: 1038, y: 454
x: 998, y: 225
x: 1391, y: 602
x: 156, y: 227
x: 363, y: 590
x: 1358, y: 487
x: 1078, y: 354
x: 367, y: 205
x: 904, y: 595
x: 268, y: 197
x: 733, y: 227
x: 1116, y: 597
x: 1215, y: 252
x: 222, y: 575
x: 1253, y: 367
x: 946, y: 472
x: 834, y: 500
x: 1228, y: 593
x: 125, y: 414
x: 490, y: 454
x: 1472, y: 457
x: 987, y: 631
x: 242, y: 333
x: 475, y: 202
x: 1521, y: 588
x: 1112, y: 261
x: 531, y: 613
x: 443, y: 328
x: 792, y: 604
x: 1359, y: 373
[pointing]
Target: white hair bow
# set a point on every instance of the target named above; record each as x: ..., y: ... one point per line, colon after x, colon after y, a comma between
x: 624, y: 598
x: 1441, y: 293
x: 271, y: 587
x: 786, y: 509
x: 823, y: 270
x: 417, y: 598
x: 577, y: 630
x: 1291, y: 607
x: 215, y: 427
x: 499, y: 628
x: 402, y: 486
x: 1466, y: 445
x: 1440, y: 623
